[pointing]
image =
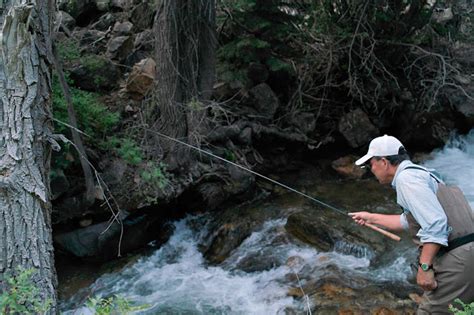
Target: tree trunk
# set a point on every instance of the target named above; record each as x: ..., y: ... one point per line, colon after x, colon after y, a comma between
x: 25, y: 142
x: 185, y: 54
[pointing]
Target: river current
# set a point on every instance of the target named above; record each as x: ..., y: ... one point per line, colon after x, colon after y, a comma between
x: 175, y: 279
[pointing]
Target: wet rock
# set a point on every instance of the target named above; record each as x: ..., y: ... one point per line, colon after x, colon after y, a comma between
x: 118, y: 48
x: 335, y: 297
x: 141, y: 78
x: 107, y: 240
x: 357, y: 128
x: 346, y: 167
x: 325, y: 229
x: 265, y: 100
x: 429, y: 130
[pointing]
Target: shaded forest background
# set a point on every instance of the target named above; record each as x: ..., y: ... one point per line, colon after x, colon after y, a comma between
x: 267, y: 84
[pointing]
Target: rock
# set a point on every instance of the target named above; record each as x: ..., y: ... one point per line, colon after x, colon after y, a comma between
x: 105, y: 241
x: 464, y: 54
x: 144, y: 41
x: 429, y: 130
x: 66, y: 19
x: 245, y: 137
x: 59, y: 184
x: 336, y: 297
x: 73, y: 7
x: 122, y: 28
x: 257, y: 73
x: 118, y: 48
x: 357, y: 128
x: 102, y: 5
x: 105, y: 22
x: 305, y: 122
x: 141, y: 78
x: 142, y: 16
x: 92, y: 41
x: 96, y: 74
x: 122, y: 4
x: 265, y: 100
x: 346, y: 167
x: 442, y: 16
x: 325, y: 229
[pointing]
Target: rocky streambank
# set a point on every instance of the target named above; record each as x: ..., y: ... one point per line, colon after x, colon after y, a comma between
x: 108, y: 48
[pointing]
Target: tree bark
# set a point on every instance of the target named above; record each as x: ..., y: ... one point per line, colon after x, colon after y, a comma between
x: 185, y: 54
x: 25, y: 142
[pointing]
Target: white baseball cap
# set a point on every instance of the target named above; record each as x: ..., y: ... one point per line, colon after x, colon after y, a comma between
x: 381, y: 146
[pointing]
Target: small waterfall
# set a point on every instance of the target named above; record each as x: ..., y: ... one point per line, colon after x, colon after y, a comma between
x: 455, y: 163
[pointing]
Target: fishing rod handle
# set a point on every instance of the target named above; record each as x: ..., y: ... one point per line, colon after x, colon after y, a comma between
x: 384, y: 232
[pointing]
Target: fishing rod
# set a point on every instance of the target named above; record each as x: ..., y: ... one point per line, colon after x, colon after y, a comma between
x: 373, y: 227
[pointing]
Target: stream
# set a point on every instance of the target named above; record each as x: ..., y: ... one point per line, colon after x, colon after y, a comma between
x: 176, y: 279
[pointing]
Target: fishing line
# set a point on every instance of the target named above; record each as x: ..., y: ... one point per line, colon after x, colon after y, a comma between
x: 253, y: 172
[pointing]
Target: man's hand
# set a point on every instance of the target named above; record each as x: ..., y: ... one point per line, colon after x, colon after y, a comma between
x: 362, y: 217
x: 426, y: 280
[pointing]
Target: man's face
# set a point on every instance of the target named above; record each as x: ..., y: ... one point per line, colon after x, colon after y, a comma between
x: 379, y: 167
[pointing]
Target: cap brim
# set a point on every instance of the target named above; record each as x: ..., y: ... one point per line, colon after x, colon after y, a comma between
x: 364, y: 159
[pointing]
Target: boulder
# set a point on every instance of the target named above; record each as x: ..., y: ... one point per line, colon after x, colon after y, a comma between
x: 327, y: 230
x: 106, y: 240
x: 144, y: 41
x: 92, y: 41
x: 265, y: 100
x: 357, y: 128
x: 122, y: 28
x: 105, y: 22
x: 346, y: 167
x: 96, y: 74
x: 121, y: 4
x: 118, y: 48
x: 66, y: 20
x: 305, y: 122
x: 141, y: 78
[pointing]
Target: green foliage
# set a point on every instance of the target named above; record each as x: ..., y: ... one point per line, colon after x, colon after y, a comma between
x: 93, y: 118
x: 113, y: 305
x: 126, y: 148
x: 466, y: 309
x: 68, y: 49
x: 21, y: 296
x: 253, y: 32
x: 156, y: 175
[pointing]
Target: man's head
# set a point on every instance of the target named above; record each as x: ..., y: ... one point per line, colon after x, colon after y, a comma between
x: 383, y: 157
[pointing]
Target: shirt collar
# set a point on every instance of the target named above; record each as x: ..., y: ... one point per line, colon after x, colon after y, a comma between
x: 400, y: 168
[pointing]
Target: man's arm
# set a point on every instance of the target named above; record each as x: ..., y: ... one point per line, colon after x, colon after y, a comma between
x: 389, y: 221
x: 426, y: 279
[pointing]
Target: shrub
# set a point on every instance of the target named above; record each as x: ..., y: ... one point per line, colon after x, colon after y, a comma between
x: 21, y: 296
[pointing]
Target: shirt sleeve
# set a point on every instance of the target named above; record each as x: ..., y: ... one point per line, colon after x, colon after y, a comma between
x: 414, y: 194
x: 404, y: 221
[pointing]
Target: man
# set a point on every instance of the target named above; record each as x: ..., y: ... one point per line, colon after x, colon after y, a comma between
x: 437, y: 216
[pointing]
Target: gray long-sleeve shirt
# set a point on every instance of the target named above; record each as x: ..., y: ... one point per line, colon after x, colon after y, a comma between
x: 416, y: 194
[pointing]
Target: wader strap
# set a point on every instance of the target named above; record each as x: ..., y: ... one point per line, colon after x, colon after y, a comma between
x: 456, y: 243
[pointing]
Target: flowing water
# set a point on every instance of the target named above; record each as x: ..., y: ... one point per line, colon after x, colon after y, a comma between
x: 175, y: 279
